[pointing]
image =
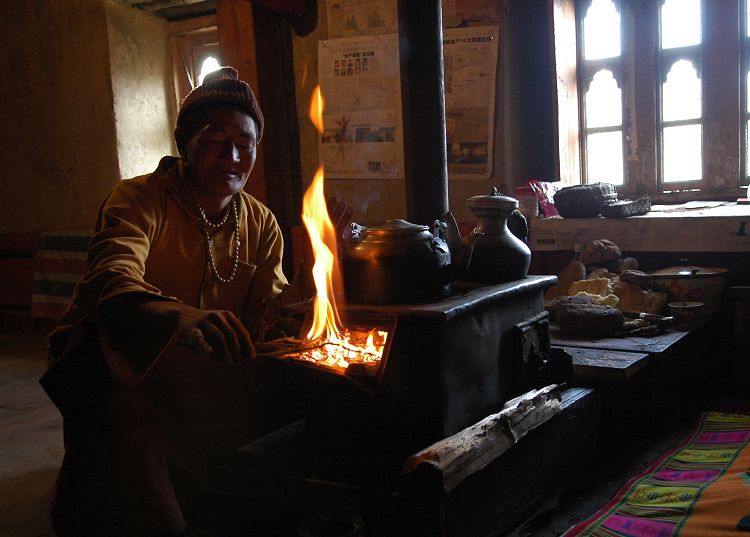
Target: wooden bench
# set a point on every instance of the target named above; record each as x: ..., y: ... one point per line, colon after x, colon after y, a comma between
x: 608, y: 365
x: 646, y: 384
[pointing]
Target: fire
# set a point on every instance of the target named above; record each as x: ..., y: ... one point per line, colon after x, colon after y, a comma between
x: 323, y: 240
x: 339, y: 347
x: 316, y: 109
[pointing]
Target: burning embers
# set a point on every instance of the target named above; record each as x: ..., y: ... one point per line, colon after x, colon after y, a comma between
x: 362, y: 349
x: 327, y: 343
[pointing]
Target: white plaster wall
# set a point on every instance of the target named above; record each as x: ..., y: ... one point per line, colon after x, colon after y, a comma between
x: 57, y: 137
x: 143, y: 94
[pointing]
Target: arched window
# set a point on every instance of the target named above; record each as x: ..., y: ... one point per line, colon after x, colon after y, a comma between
x: 664, y: 94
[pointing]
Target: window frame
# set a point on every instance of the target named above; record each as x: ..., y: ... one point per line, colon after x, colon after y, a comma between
x: 190, y: 42
x: 641, y: 61
x: 587, y: 70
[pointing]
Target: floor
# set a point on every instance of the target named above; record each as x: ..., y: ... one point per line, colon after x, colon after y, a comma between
x: 31, y: 452
x: 572, y: 506
x: 31, y: 432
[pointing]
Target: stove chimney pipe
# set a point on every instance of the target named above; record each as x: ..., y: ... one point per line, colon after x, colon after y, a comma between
x: 420, y: 29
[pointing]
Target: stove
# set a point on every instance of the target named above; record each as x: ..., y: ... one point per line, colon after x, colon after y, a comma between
x: 447, y: 365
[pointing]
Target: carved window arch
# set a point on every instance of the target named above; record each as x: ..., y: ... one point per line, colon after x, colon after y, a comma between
x: 696, y: 55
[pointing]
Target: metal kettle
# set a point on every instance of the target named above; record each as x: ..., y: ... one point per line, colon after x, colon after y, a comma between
x: 399, y: 262
x: 499, y: 256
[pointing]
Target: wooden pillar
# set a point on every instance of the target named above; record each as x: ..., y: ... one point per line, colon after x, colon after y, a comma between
x: 237, y: 45
x: 423, y: 104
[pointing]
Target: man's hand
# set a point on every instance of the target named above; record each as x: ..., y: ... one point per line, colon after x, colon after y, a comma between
x: 215, y: 333
x: 218, y: 334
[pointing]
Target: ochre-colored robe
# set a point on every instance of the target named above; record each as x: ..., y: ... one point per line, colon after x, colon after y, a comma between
x: 145, y: 417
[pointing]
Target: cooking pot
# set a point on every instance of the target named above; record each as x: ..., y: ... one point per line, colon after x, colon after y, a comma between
x: 694, y: 284
x: 399, y: 262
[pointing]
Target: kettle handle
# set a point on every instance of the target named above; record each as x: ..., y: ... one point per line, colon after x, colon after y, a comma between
x: 439, y: 228
x: 452, y: 235
x: 357, y: 231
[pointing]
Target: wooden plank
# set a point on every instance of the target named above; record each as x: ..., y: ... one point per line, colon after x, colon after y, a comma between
x: 718, y: 229
x: 722, y: 113
x: 605, y: 364
x: 652, y: 344
x: 567, y: 135
x: 205, y: 23
x: 461, y: 455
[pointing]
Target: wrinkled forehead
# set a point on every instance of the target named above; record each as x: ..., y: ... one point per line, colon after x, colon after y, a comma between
x: 219, y: 117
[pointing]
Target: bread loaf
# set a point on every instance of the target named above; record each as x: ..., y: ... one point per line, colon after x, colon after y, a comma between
x: 596, y: 286
x: 598, y: 252
x: 589, y: 320
x: 637, y: 300
x: 623, y: 264
x: 572, y: 272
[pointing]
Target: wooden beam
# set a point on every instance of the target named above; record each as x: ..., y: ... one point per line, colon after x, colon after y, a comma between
x: 237, y: 45
x: 567, y: 135
x: 205, y: 23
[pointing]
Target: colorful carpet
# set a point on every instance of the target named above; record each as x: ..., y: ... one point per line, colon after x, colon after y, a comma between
x: 701, y: 489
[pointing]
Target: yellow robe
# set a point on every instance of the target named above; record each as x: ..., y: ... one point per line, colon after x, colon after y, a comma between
x: 140, y: 408
x: 148, y: 240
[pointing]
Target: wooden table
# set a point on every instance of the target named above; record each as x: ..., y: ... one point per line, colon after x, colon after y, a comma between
x: 605, y: 364
x: 645, y: 382
x: 653, y: 345
x: 614, y: 358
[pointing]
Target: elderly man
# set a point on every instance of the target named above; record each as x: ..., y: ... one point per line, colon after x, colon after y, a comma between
x: 182, y: 266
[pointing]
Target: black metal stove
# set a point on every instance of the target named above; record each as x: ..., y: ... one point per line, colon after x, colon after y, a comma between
x: 449, y: 365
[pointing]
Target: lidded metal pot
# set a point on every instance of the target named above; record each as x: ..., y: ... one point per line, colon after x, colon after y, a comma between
x: 498, y: 256
x: 401, y: 263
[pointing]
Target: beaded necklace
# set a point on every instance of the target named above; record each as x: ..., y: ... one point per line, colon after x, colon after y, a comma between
x: 207, y: 225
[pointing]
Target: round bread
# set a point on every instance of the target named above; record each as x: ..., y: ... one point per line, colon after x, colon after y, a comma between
x: 598, y: 252
x: 623, y: 264
x: 589, y: 320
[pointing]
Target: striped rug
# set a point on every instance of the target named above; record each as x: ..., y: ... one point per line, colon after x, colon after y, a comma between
x: 59, y: 261
x: 701, y: 489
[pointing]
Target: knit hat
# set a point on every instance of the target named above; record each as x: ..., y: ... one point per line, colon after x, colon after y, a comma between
x: 222, y: 86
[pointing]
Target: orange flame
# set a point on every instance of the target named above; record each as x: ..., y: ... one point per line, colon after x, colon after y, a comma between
x: 316, y: 109
x: 323, y: 240
x: 341, y: 347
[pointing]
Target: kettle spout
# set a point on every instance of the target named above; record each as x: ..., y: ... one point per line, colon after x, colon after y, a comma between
x: 462, y: 260
x: 460, y: 248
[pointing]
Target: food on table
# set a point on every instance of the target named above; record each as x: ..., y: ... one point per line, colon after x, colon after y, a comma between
x: 599, y: 252
x: 574, y: 271
x: 597, y: 286
x: 596, y: 290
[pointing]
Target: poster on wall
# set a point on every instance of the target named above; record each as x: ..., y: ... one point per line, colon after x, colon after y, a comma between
x: 470, y: 13
x: 352, y: 18
x: 470, y: 67
x: 359, y: 80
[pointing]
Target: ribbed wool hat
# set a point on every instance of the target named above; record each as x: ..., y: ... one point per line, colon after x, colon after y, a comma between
x: 223, y: 86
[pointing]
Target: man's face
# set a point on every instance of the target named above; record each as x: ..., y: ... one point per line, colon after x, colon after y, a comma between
x: 221, y: 153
